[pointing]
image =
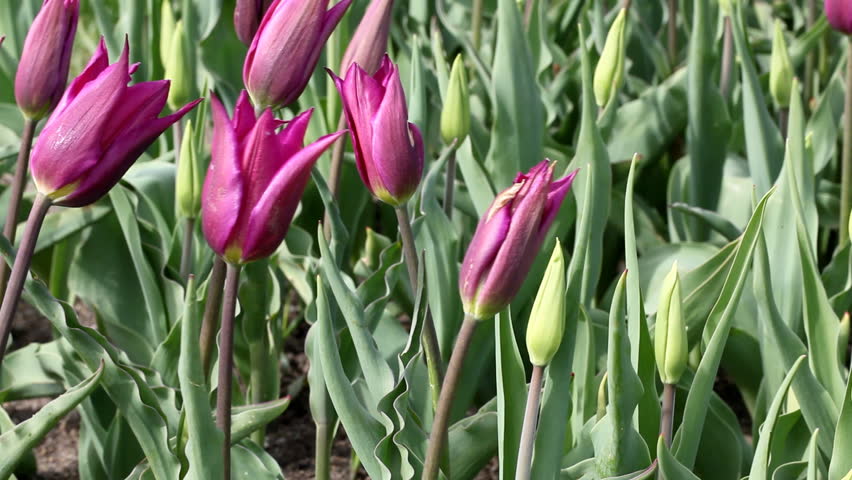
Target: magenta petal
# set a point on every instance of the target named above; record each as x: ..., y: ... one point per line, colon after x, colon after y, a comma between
x: 244, y: 116
x: 292, y: 136
x: 397, y: 165
x: 558, y: 191
x: 483, y: 248
x: 97, y: 64
x: 370, y: 39
x: 271, y: 216
x: 141, y: 103
x: 222, y: 195
x: 260, y: 158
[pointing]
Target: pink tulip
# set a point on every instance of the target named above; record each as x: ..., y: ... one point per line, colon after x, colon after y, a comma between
x: 388, y: 148
x: 247, y: 17
x: 839, y: 14
x: 255, y: 180
x: 508, y: 239
x: 99, y: 128
x: 43, y: 69
x: 370, y: 41
x: 285, y: 50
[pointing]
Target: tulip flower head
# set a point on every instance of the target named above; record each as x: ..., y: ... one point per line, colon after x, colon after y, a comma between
x: 508, y: 239
x: 255, y: 180
x: 839, y: 14
x: 247, y: 17
x: 388, y: 148
x: 370, y: 40
x: 99, y: 128
x: 43, y: 69
x: 285, y: 50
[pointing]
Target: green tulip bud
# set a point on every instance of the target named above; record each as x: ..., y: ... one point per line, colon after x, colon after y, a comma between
x: 177, y: 68
x: 780, y: 69
x: 547, y: 318
x: 727, y: 7
x: 670, y: 342
x: 609, y: 73
x: 167, y: 30
x: 455, y: 117
x: 188, y: 179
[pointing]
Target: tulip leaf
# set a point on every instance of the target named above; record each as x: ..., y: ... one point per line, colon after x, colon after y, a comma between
x: 246, y: 419
x: 669, y: 466
x: 31, y: 371
x: 717, y: 328
x: 511, y: 392
x: 841, y: 457
x: 17, y: 442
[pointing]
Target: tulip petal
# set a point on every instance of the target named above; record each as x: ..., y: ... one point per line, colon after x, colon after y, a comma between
x: 261, y: 155
x: 558, y: 190
x: 292, y: 136
x: 222, y: 194
x: 141, y: 103
x: 483, y: 248
x: 97, y: 64
x: 244, y: 117
x: 271, y: 216
x: 393, y: 156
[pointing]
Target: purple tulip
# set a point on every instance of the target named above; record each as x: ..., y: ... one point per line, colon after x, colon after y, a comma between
x: 388, y: 148
x: 247, y: 17
x: 839, y: 14
x: 99, y: 128
x: 255, y: 179
x: 43, y: 70
x: 508, y: 239
x: 284, y: 52
x: 370, y: 41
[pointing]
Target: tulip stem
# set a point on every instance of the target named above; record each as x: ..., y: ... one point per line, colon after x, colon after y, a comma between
x: 226, y: 363
x: 846, y: 167
x: 783, y: 120
x: 667, y: 413
x: 334, y: 173
x: 476, y: 23
x: 449, y: 188
x: 810, y: 19
x: 522, y: 472
x: 672, y: 32
x: 210, y: 321
x: 186, y: 252
x: 17, y: 191
x: 21, y: 268
x: 528, y: 10
x: 727, y: 60
x: 438, y: 436
x: 323, y: 452
x: 430, y: 336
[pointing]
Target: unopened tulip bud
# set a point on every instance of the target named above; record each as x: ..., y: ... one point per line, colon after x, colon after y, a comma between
x: 370, y: 41
x: 188, y: 180
x: 727, y: 7
x: 508, y: 238
x: 609, y: 74
x: 547, y: 318
x: 455, y: 117
x: 285, y: 50
x: 177, y: 68
x: 839, y: 14
x: 780, y: 69
x: 43, y: 69
x: 247, y: 17
x: 670, y: 342
x: 388, y: 148
x: 99, y: 128
x: 168, y: 23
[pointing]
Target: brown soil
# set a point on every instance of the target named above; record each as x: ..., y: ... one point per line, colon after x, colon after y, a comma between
x: 290, y: 438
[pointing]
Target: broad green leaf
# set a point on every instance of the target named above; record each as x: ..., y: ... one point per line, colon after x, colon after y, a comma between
x: 841, y: 458
x: 246, y: 419
x: 31, y: 371
x: 17, y: 442
x: 511, y: 393
x: 669, y: 466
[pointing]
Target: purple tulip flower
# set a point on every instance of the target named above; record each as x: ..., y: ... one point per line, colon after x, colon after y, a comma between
x: 508, y: 239
x: 247, y: 17
x: 43, y: 69
x: 255, y: 179
x: 388, y: 148
x: 99, y: 128
x: 370, y: 41
x: 839, y: 14
x: 284, y: 52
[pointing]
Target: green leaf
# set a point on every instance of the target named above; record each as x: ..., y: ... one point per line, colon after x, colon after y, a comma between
x: 246, y: 419
x: 670, y: 467
x: 511, y: 393
x: 31, y: 371
x: 716, y: 330
x: 841, y: 457
x: 17, y: 442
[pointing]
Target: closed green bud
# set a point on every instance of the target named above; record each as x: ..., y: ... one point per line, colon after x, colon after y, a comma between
x: 609, y: 73
x: 177, y: 68
x: 455, y: 117
x: 188, y: 180
x: 670, y: 342
x: 167, y: 30
x: 547, y: 318
x: 727, y: 7
x: 780, y: 69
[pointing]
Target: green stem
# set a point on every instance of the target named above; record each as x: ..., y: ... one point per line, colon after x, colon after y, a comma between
x: 260, y: 363
x: 727, y: 60
x: 783, y: 119
x: 476, y: 23
x: 17, y: 191
x: 667, y: 413
x: 334, y: 173
x: 21, y: 268
x: 449, y: 188
x: 226, y: 363
x: 430, y: 336
x: 210, y: 321
x: 528, y: 10
x: 438, y: 436
x: 672, y: 32
x: 186, y: 252
x: 525, y: 451
x: 811, y: 15
x: 323, y: 452
x: 846, y: 167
